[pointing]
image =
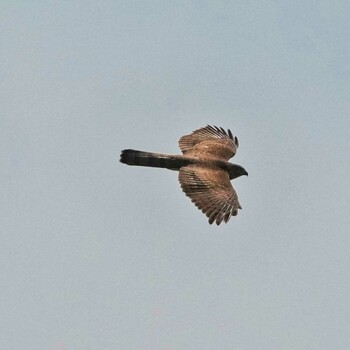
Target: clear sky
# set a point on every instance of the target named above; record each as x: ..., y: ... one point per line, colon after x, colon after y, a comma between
x: 98, y: 255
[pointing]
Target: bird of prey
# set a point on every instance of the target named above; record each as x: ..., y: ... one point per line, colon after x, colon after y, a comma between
x: 204, y: 170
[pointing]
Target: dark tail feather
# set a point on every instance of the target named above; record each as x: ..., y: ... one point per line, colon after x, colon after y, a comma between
x: 157, y: 160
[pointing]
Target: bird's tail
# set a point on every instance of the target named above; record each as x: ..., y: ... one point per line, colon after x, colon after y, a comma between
x: 157, y: 160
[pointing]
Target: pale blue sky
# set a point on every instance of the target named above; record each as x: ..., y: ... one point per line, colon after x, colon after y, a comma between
x: 98, y: 255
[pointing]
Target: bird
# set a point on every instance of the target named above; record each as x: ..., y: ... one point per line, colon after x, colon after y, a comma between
x: 204, y: 170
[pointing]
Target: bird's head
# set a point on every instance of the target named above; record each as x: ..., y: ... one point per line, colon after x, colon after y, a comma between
x: 236, y: 171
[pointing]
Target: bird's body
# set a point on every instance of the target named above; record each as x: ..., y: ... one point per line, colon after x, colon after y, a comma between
x: 204, y: 170
x: 176, y: 162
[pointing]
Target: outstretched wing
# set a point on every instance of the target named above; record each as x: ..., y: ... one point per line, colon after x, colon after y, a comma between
x: 210, y: 141
x: 211, y: 191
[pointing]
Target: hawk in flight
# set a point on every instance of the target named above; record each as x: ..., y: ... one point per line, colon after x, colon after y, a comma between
x: 204, y: 170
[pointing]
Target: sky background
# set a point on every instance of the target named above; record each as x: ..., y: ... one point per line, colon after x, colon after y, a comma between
x: 98, y: 255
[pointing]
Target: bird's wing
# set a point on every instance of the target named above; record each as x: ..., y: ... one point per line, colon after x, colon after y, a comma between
x: 211, y: 191
x: 210, y: 141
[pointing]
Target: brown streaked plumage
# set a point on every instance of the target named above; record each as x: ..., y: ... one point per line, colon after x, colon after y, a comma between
x: 204, y: 170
